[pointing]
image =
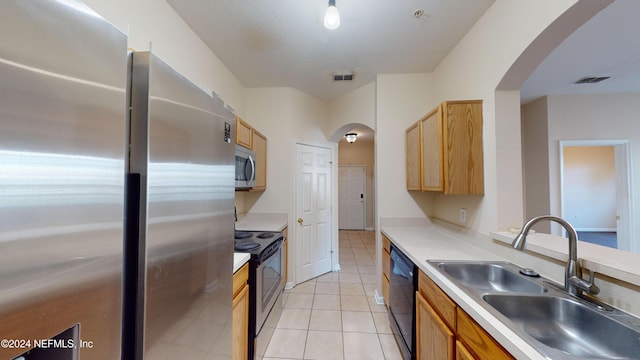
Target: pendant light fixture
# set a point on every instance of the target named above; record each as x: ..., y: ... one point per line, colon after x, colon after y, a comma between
x: 331, y: 16
x: 351, y: 137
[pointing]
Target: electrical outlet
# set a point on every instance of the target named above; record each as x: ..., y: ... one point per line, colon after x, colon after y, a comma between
x: 463, y: 216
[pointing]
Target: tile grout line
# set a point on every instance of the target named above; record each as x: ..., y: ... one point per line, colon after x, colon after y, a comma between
x: 363, y: 247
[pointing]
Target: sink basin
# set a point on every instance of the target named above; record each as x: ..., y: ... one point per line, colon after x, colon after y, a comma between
x: 568, y: 325
x: 490, y: 277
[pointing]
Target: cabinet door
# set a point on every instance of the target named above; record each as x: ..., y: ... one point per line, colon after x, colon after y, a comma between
x: 260, y: 148
x: 244, y: 133
x: 462, y: 353
x: 462, y: 144
x: 477, y: 340
x: 413, y: 162
x: 434, y: 340
x: 240, y: 325
x: 432, y: 151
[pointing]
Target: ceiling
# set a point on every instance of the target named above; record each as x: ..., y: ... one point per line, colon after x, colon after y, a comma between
x: 284, y: 44
x: 607, y: 45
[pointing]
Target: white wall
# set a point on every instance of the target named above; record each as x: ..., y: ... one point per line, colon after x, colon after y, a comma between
x: 593, y: 117
x: 154, y: 25
x: 401, y: 100
x: 357, y: 106
x: 535, y: 167
x: 473, y: 70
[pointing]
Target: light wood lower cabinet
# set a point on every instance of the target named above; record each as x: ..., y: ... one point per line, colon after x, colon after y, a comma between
x: 445, y: 331
x: 436, y: 339
x: 240, y: 326
x: 462, y: 353
x: 386, y: 268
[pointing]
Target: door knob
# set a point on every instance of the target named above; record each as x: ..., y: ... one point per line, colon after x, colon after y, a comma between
x: 300, y: 220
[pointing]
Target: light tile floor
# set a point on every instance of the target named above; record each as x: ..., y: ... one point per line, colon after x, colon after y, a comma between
x: 335, y: 316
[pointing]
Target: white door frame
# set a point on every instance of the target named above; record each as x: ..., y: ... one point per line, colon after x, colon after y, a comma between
x: 624, y: 206
x: 293, y: 245
x: 364, y: 192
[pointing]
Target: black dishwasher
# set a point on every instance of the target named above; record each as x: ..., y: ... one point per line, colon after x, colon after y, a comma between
x: 403, y: 283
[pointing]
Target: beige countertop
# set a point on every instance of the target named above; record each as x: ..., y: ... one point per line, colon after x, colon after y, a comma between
x: 426, y: 242
x: 257, y: 222
x: 239, y: 259
x: 262, y: 222
x: 245, y: 225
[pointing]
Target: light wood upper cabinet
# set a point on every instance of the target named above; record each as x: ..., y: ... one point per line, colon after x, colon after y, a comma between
x: 412, y: 142
x: 244, y: 133
x: 432, y: 151
x: 259, y: 146
x: 450, y: 149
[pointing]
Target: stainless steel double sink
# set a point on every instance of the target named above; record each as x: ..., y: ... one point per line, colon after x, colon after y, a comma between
x: 557, y: 324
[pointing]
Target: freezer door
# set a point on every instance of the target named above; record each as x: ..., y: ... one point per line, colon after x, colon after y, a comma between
x: 188, y: 186
x: 63, y: 74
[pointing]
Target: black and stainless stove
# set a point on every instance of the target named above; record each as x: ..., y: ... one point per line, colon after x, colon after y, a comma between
x: 266, y: 281
x: 259, y: 244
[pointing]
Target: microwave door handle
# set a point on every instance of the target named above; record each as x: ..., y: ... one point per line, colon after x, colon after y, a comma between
x: 252, y: 178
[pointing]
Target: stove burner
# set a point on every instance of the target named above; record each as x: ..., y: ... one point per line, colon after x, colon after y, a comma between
x: 265, y: 235
x: 249, y: 245
x: 242, y: 235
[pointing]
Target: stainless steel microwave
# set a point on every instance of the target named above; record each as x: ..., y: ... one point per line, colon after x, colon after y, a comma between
x: 245, y: 168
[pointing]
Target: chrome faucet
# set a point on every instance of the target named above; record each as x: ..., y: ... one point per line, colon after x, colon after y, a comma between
x: 573, y: 282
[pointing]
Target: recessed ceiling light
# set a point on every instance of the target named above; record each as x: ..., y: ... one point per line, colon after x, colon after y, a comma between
x: 418, y: 13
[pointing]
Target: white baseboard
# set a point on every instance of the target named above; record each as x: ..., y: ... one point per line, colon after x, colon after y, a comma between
x: 289, y: 285
x: 336, y: 267
x: 379, y: 299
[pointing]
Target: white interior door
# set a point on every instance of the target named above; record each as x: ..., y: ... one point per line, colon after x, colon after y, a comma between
x: 351, y: 200
x: 313, y: 211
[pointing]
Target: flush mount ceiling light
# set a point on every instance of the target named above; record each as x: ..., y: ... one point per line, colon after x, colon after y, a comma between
x: 351, y: 137
x: 331, y: 16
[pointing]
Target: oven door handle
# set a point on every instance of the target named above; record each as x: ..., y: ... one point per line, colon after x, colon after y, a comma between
x: 270, y: 251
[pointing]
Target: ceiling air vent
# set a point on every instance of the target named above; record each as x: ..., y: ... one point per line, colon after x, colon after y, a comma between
x: 591, y: 79
x: 343, y: 77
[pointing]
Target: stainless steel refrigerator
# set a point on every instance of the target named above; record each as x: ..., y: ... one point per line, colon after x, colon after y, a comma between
x: 63, y: 76
x: 180, y: 201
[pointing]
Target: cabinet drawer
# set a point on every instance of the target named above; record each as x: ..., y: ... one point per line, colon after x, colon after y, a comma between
x: 240, y: 278
x: 386, y: 264
x: 386, y: 244
x: 438, y: 299
x: 385, y: 289
x: 478, y: 340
